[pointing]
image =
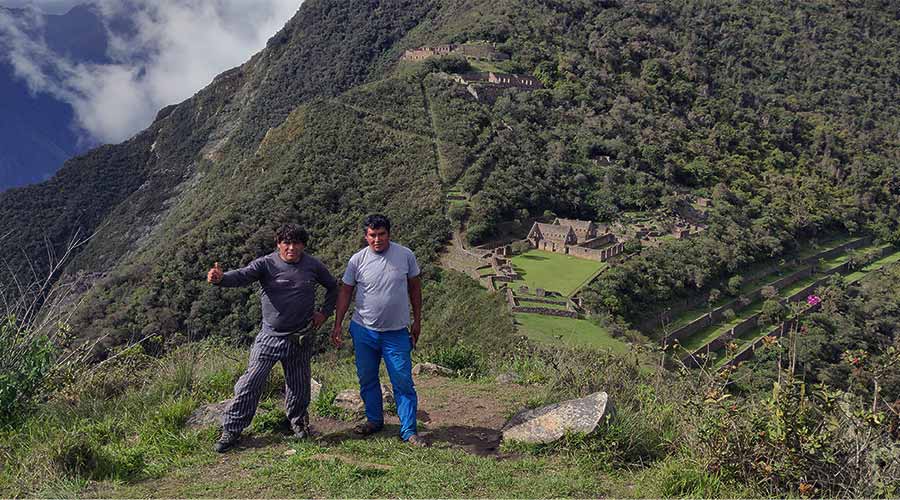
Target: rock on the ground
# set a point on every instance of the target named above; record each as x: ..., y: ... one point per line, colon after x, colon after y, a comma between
x: 432, y: 369
x: 315, y: 388
x: 350, y: 400
x: 507, y: 378
x: 550, y: 423
x: 212, y: 413
x: 208, y: 415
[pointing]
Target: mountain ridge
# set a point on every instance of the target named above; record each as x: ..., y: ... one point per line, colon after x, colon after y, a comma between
x: 620, y: 85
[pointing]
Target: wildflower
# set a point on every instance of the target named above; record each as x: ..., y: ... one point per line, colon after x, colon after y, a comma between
x: 806, y: 489
x: 813, y: 300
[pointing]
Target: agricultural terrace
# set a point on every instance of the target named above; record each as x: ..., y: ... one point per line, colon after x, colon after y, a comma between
x: 741, y: 341
x: 552, y: 271
x: 752, y: 285
x: 823, y: 268
x: 575, y: 332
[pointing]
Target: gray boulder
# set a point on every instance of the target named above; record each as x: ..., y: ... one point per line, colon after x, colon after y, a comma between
x: 550, y: 423
x: 433, y: 370
x: 206, y: 415
x: 350, y: 400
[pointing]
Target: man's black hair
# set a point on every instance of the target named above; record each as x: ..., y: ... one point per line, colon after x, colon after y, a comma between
x: 291, y: 233
x: 377, y: 221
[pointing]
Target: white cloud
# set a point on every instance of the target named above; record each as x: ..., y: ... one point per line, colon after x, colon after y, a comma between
x: 176, y: 48
x: 46, y: 6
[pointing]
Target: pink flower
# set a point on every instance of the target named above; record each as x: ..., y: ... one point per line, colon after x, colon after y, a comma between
x: 813, y: 300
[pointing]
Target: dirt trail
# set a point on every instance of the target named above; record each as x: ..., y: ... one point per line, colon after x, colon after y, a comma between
x: 458, y: 414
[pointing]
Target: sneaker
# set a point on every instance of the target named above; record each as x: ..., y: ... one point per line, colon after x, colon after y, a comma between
x: 227, y: 441
x: 416, y: 441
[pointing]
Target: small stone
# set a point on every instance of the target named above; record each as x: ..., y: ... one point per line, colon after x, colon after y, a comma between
x: 433, y: 370
x: 550, y: 423
x: 290, y: 452
x: 315, y: 388
x: 507, y: 378
x: 350, y: 400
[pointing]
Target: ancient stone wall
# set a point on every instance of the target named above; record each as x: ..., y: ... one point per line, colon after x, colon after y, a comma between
x: 713, y: 316
x: 546, y: 311
x: 600, y: 241
x: 585, y: 253
x: 834, y: 252
x: 538, y: 300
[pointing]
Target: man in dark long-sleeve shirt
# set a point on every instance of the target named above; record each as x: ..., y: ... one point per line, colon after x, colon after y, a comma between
x: 288, y: 281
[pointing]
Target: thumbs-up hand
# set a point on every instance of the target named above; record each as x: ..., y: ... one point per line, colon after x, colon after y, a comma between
x: 215, y: 274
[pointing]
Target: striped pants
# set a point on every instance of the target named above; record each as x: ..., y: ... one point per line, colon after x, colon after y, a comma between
x: 295, y: 359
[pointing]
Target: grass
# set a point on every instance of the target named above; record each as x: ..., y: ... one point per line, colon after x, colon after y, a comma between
x: 574, y: 332
x: 561, y: 306
x: 884, y: 261
x: 553, y: 271
x: 379, y: 467
x: 487, y: 66
x: 136, y: 444
x: 487, y: 271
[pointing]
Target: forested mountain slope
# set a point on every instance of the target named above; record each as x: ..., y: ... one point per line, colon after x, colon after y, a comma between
x: 784, y: 115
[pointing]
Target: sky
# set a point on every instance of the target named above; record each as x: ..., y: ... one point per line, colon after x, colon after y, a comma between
x: 177, y: 48
x: 46, y: 6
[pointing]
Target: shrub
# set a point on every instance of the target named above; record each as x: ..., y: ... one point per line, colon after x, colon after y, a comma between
x: 83, y: 453
x: 728, y: 314
x: 679, y: 479
x: 801, y: 442
x: 25, y: 361
x: 465, y: 360
x: 270, y: 417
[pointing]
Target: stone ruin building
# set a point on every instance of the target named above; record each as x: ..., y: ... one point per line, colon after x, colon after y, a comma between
x: 576, y: 238
x: 488, y: 86
x: 478, y: 52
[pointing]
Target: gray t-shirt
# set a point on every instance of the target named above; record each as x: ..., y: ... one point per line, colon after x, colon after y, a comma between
x: 382, y: 294
x: 288, y: 290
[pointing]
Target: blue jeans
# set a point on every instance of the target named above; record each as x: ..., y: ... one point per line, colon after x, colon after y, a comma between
x: 394, y: 346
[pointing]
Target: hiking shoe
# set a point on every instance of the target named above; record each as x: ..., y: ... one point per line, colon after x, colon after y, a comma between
x: 227, y: 441
x: 416, y: 441
x: 366, y: 429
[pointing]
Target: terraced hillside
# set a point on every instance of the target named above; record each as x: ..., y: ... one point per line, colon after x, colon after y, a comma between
x: 730, y: 325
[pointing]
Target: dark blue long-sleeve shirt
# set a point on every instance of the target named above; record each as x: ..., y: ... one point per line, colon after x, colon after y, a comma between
x: 288, y: 290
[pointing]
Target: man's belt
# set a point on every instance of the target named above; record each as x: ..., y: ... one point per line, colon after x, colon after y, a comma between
x: 297, y: 336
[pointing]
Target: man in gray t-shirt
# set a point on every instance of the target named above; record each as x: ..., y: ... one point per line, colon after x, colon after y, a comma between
x: 385, y: 278
x: 288, y: 280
